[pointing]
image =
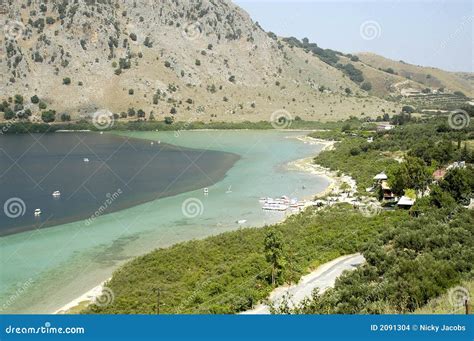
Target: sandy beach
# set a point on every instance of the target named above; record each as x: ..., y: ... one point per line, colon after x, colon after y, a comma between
x: 85, y: 299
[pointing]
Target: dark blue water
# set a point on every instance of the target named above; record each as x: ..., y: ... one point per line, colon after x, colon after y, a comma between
x: 121, y: 172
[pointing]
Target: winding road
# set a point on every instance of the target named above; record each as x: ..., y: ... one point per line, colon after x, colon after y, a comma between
x: 323, y: 277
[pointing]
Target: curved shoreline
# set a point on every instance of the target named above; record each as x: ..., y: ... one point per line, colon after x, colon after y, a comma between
x: 304, y: 165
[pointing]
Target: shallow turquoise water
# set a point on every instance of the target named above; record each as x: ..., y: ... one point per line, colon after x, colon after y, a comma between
x: 44, y: 269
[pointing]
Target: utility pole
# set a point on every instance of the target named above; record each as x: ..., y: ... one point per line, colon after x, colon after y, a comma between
x: 158, y: 300
x: 468, y: 307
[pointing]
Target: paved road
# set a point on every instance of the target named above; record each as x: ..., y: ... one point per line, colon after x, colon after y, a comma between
x: 323, y: 277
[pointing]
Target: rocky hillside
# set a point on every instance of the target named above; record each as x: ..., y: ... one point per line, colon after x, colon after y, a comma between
x: 187, y: 59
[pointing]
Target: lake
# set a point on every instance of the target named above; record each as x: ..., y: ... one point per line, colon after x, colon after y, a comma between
x: 43, y: 269
x: 123, y: 170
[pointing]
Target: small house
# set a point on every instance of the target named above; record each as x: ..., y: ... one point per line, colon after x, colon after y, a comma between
x: 387, y: 191
x: 381, y: 177
x: 405, y: 202
x: 384, y: 127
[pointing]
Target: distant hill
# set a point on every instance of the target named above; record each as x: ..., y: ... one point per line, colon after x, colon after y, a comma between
x: 397, y: 77
x: 190, y: 60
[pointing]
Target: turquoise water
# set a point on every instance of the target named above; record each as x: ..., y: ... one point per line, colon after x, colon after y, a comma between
x: 44, y: 269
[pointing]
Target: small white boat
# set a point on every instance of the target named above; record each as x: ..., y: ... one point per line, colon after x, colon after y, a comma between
x: 274, y: 207
x: 152, y: 143
x: 56, y: 194
x: 206, y: 190
x: 86, y: 159
x: 101, y: 132
x: 37, y: 212
x: 241, y: 221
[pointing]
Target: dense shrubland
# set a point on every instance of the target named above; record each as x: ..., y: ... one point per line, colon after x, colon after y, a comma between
x: 231, y: 272
x: 412, y: 262
x: 430, y: 140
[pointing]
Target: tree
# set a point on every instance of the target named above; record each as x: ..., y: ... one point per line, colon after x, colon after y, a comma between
x: 408, y: 109
x: 66, y: 81
x: 412, y: 173
x: 367, y: 86
x: 459, y: 93
x: 65, y: 117
x: 459, y: 183
x: 140, y: 113
x: 354, y: 58
x: 131, y: 112
x: 274, y: 253
x: 348, y: 91
x: 48, y: 116
x: 346, y: 128
x: 18, y: 99
x: 8, y: 114
x: 148, y: 43
x: 169, y: 120
x: 441, y: 199
x: 35, y: 99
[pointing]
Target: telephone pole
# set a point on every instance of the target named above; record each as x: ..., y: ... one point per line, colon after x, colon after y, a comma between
x: 158, y: 300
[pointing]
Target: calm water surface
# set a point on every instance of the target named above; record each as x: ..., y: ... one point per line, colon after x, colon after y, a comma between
x: 43, y: 269
x: 121, y: 172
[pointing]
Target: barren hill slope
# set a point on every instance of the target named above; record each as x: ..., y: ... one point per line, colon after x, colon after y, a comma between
x: 403, y: 75
x: 204, y: 60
